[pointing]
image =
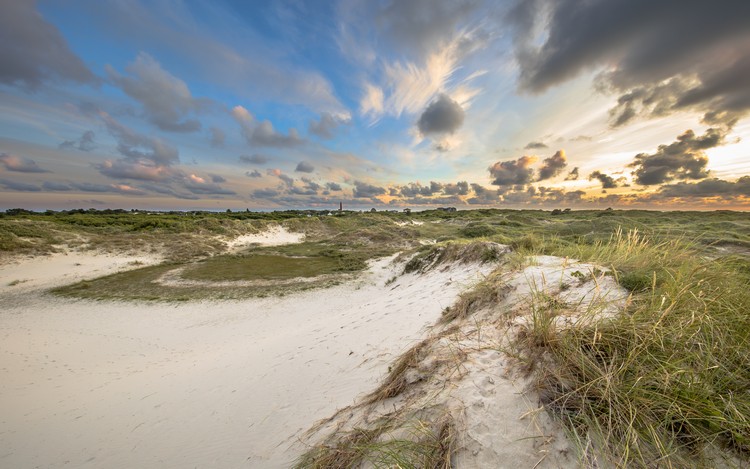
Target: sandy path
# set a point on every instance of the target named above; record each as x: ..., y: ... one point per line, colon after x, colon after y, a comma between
x: 222, y: 384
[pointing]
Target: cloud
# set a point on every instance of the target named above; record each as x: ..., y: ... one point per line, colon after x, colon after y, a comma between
x: 459, y: 188
x: 254, y: 174
x: 254, y: 159
x: 304, y: 167
x: 682, y: 159
x: 325, y: 127
x: 55, y: 186
x: 572, y: 175
x: 581, y: 138
x: 552, y: 166
x: 332, y: 186
x: 660, y: 57
x: 19, y: 186
x: 371, y: 103
x: 418, y: 25
x: 608, y: 182
x: 264, y: 194
x: 166, y: 99
x: 414, y: 189
x: 85, y: 143
x: 139, y: 147
x: 708, y: 188
x: 287, y: 180
x: 483, y: 195
x: 20, y: 164
x: 107, y: 188
x: 33, y: 49
x: 512, y: 172
x: 135, y: 169
x: 199, y: 185
x: 216, y: 178
x: 535, y: 146
x: 263, y: 133
x: 442, y: 116
x: 365, y: 190
x: 217, y: 137
x: 145, y: 158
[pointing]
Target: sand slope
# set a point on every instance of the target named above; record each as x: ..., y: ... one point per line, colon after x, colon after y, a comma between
x: 211, y: 384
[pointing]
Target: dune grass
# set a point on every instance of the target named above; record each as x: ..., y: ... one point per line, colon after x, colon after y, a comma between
x: 666, y: 383
x: 394, y: 441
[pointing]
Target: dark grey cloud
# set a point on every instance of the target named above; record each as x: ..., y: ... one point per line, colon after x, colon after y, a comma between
x: 166, y: 100
x: 608, y: 182
x: 107, y: 188
x: 535, y: 146
x: 417, y: 26
x: 33, y: 49
x: 254, y: 174
x: 553, y: 166
x: 264, y: 194
x: 572, y: 175
x: 707, y: 188
x: 140, y: 147
x: 167, y: 190
x: 144, y: 158
x: 217, y: 178
x: 332, y: 186
x: 325, y: 127
x: 289, y: 181
x: 459, y: 188
x: 683, y: 159
x: 263, y: 133
x: 310, y: 184
x: 659, y: 56
x: 20, y: 164
x: 84, y: 143
x: 304, y: 167
x: 55, y: 186
x: 19, y: 186
x: 217, y: 137
x: 415, y: 189
x: 254, y: 159
x: 483, y: 195
x: 442, y: 116
x: 200, y: 186
x: 513, y: 172
x: 365, y: 190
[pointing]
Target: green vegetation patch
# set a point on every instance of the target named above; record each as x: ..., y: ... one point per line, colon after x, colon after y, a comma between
x: 316, y: 265
x: 293, y: 261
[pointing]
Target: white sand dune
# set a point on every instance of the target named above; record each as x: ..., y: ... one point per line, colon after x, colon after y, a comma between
x: 274, y: 236
x: 207, y: 384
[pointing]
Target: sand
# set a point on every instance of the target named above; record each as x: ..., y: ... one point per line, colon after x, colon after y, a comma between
x: 465, y: 372
x: 198, y: 384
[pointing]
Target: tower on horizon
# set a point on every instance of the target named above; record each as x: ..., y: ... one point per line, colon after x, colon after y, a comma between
x: 341, y: 206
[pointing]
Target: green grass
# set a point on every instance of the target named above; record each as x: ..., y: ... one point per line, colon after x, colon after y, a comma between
x: 666, y: 383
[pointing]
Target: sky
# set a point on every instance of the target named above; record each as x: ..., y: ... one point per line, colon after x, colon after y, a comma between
x: 273, y: 105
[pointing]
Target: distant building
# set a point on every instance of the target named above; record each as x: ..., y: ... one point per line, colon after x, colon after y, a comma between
x: 407, y: 210
x: 373, y: 210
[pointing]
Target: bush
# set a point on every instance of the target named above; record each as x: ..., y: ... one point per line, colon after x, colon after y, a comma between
x: 477, y: 230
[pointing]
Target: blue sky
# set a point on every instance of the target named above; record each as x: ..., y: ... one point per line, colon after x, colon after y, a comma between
x: 293, y: 104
